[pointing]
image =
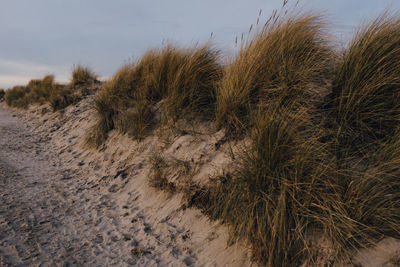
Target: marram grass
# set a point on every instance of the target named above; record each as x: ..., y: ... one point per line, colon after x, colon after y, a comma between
x: 278, y: 64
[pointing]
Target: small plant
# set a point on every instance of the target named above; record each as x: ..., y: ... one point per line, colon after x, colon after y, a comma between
x: 2, y: 93
x: 172, y: 175
x: 16, y: 97
x: 158, y: 174
x: 61, y: 97
x: 82, y: 76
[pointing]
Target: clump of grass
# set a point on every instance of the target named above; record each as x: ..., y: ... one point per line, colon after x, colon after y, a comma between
x: 278, y: 64
x: 192, y: 91
x: 2, y: 94
x: 365, y: 96
x: 82, y: 76
x: 61, y: 97
x: 172, y: 175
x: 16, y: 97
x: 158, y: 174
x: 112, y: 103
x: 183, y: 79
x: 363, y: 205
x: 267, y: 200
x: 41, y: 91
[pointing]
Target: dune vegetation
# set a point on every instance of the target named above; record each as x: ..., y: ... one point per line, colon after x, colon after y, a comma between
x: 2, y: 94
x: 322, y: 128
x: 183, y: 79
x: 47, y: 90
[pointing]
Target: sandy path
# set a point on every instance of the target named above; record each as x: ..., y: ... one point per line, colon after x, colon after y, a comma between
x: 61, y: 205
x: 43, y: 209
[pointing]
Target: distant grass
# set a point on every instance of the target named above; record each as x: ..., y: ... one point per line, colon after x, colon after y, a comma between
x: 47, y: 90
x: 16, y: 97
x: 36, y: 91
x: 365, y: 97
x: 182, y: 79
x: 277, y: 64
x: 82, y: 76
x: 62, y: 96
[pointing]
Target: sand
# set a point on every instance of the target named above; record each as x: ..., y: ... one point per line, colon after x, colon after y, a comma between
x: 61, y: 204
x: 64, y: 205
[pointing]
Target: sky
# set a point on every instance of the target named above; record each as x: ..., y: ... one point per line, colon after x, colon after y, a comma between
x: 40, y: 37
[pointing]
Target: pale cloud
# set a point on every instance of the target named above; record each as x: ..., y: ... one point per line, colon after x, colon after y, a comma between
x: 48, y: 36
x: 7, y: 81
x: 24, y: 66
x: 15, y: 72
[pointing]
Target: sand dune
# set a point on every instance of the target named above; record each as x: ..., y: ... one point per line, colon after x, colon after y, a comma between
x: 64, y: 205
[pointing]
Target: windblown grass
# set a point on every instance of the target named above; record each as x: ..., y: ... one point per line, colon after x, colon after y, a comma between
x: 278, y: 64
x: 310, y: 168
x: 182, y: 79
x: 365, y: 97
x: 16, y: 97
x: 41, y: 91
x: 62, y: 96
x: 291, y: 183
x: 36, y: 91
x: 192, y: 90
x: 82, y: 76
x: 267, y: 199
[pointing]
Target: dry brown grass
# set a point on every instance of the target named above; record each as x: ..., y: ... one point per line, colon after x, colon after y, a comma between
x: 182, y: 79
x: 365, y: 97
x: 82, y: 76
x: 277, y: 64
x: 2, y: 94
x: 42, y: 91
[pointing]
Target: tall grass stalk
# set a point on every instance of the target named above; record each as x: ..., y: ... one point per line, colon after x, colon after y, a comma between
x: 278, y: 64
x: 365, y: 98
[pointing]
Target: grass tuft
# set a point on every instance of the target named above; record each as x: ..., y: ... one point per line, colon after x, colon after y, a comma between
x: 82, y: 76
x: 277, y: 64
x: 365, y: 96
x: 44, y: 90
x: 16, y: 97
x: 182, y: 79
x: 267, y: 199
x: 192, y: 90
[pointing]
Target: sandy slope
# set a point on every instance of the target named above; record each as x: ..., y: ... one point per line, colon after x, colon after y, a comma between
x: 61, y: 204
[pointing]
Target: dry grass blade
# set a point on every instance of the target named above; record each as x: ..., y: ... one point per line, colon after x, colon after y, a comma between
x: 278, y: 64
x: 267, y: 200
x: 365, y: 97
x: 183, y: 79
x: 82, y: 76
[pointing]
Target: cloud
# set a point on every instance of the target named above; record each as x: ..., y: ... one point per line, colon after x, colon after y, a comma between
x: 14, y: 66
x: 14, y: 72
